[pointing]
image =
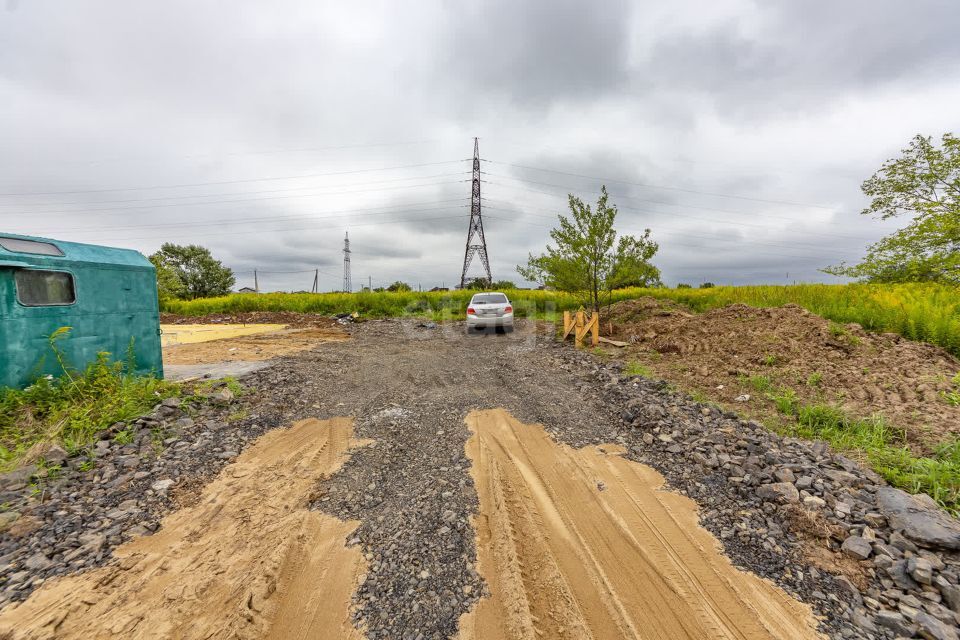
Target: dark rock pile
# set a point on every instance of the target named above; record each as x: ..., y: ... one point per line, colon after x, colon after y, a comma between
x: 62, y: 521
x: 874, y: 560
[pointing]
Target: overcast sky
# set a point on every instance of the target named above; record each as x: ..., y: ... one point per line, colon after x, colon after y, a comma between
x: 738, y: 131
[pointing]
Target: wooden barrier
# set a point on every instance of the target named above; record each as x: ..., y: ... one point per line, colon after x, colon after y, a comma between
x: 580, y: 324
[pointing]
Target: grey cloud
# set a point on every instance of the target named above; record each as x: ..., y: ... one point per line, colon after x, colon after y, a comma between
x: 765, y: 101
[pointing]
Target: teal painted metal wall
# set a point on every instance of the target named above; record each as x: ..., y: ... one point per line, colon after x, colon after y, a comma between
x: 116, y: 301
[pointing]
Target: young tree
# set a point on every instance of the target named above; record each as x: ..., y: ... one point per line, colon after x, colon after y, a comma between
x: 588, y: 259
x: 923, y: 183
x: 503, y: 284
x: 199, y: 274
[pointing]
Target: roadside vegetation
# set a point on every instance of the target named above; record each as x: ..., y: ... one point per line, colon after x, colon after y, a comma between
x: 925, y: 312
x: 72, y: 410
x: 883, y: 446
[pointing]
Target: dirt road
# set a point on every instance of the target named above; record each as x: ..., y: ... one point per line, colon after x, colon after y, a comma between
x: 247, y: 561
x: 460, y: 516
x: 583, y: 544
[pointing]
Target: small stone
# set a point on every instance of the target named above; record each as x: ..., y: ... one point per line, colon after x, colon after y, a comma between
x: 920, y: 569
x: 55, y: 454
x: 37, y: 562
x: 162, y: 485
x: 856, y: 547
x: 172, y: 402
x: 895, y: 621
x: 784, y: 475
x: 920, y: 520
x: 933, y: 629
x: 897, y: 541
x: 743, y: 398
x: 898, y: 573
x: 223, y: 395
x: 779, y: 492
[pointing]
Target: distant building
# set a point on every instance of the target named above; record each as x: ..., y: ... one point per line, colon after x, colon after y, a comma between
x: 440, y: 289
x: 247, y: 290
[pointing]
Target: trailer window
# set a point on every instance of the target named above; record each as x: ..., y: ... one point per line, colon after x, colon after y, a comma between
x: 30, y: 246
x: 44, y: 288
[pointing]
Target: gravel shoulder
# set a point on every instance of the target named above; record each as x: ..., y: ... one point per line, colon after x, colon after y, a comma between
x: 869, y: 561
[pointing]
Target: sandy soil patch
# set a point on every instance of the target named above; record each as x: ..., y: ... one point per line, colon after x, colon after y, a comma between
x: 583, y: 544
x: 248, y: 560
x: 262, y: 346
x: 174, y: 334
x: 739, y: 349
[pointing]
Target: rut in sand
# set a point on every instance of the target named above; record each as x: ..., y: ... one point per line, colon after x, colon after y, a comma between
x: 584, y: 544
x: 248, y: 560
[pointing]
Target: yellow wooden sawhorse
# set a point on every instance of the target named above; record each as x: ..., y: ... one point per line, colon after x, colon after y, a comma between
x: 580, y: 324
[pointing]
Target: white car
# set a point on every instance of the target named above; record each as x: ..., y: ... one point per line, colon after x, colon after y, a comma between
x: 489, y: 310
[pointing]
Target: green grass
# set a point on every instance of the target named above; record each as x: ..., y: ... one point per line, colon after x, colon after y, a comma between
x: 884, y: 447
x: 952, y: 396
x: 815, y: 379
x: 74, y: 409
x: 635, y: 368
x: 924, y: 312
x: 758, y: 383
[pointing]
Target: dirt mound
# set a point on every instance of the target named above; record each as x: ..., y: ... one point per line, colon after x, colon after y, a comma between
x: 248, y: 560
x: 288, y: 318
x: 737, y: 350
x: 583, y: 544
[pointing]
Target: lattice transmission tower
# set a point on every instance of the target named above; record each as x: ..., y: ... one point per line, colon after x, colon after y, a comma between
x: 347, y: 284
x: 476, y: 242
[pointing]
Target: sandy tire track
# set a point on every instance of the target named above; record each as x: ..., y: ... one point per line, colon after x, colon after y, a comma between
x: 248, y: 560
x: 583, y: 544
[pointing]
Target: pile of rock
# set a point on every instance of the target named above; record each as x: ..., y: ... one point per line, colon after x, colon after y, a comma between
x: 888, y: 563
x: 69, y: 513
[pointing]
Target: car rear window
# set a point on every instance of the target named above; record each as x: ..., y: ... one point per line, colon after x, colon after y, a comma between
x: 37, y: 288
x: 488, y: 298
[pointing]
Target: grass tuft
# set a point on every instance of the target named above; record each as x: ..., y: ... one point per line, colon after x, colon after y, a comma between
x: 74, y: 409
x: 885, y: 448
x: 635, y: 368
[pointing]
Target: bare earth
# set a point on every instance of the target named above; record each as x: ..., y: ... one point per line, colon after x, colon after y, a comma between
x: 247, y: 561
x: 714, y: 353
x: 582, y: 543
x: 263, y: 346
x: 459, y: 516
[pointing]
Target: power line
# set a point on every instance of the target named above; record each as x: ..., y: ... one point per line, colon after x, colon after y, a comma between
x: 683, y: 244
x: 240, y: 181
x: 235, y: 200
x: 682, y: 215
x: 685, y: 233
x: 216, y: 195
x: 553, y: 215
x: 311, y: 228
x: 666, y: 188
x: 234, y: 221
x: 669, y: 204
x: 230, y: 221
x: 257, y: 152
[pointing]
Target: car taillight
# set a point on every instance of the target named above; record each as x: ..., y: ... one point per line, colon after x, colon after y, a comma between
x: 471, y: 311
x: 509, y: 309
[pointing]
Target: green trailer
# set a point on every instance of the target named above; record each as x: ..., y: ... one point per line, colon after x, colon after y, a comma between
x: 107, y: 296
